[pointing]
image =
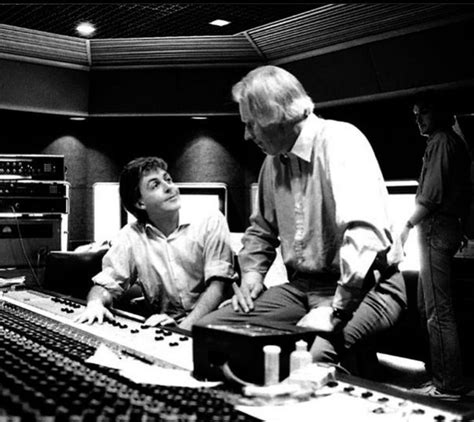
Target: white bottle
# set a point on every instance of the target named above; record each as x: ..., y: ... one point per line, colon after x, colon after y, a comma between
x: 300, y: 357
x: 272, y: 364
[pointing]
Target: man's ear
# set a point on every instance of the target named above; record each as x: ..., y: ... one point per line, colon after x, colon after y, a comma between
x: 140, y: 205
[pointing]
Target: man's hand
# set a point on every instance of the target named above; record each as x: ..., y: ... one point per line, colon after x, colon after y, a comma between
x: 320, y: 319
x: 186, y: 324
x: 397, y: 253
x: 95, y: 311
x: 250, y: 288
x: 159, y: 319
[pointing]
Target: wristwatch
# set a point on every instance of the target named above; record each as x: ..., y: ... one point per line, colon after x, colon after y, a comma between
x: 341, y: 314
x: 409, y: 224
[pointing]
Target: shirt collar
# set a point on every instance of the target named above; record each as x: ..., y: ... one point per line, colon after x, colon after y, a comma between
x: 184, y: 220
x: 303, y: 147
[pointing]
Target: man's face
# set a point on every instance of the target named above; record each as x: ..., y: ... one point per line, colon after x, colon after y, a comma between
x: 425, y: 119
x: 271, y: 139
x: 158, y: 193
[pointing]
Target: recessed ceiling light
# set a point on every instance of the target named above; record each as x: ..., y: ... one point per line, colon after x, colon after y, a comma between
x: 86, y: 29
x: 199, y: 118
x: 219, y: 22
x: 77, y: 119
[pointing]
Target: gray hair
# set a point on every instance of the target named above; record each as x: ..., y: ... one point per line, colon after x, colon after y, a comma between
x: 273, y: 95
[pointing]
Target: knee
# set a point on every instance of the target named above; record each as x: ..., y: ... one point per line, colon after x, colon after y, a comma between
x: 224, y: 315
x: 206, y: 319
x: 210, y: 318
x: 323, y: 351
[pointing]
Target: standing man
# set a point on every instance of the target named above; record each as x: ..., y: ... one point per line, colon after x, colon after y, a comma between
x: 183, y: 265
x: 322, y: 198
x: 441, y: 210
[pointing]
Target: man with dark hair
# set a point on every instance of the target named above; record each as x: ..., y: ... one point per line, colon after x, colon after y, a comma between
x: 183, y: 263
x: 441, y: 210
x: 322, y: 198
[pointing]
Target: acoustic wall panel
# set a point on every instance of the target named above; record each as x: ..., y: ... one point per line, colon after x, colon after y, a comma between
x: 164, y: 90
x: 339, y: 75
x: 437, y: 56
x: 440, y: 56
x: 34, y: 87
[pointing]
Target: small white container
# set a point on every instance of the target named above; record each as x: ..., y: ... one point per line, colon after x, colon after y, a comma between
x: 300, y: 357
x: 272, y: 364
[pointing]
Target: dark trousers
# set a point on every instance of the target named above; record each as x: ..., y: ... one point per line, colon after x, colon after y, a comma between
x: 288, y: 303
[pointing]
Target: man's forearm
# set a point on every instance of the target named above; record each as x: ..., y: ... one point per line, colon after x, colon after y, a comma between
x: 418, y: 215
x: 98, y: 293
x: 209, y: 300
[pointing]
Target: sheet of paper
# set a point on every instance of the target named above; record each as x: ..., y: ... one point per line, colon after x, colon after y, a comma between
x: 104, y: 356
x: 7, y: 282
x: 141, y: 372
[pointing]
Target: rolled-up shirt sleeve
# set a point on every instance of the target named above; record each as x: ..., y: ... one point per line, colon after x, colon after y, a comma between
x: 357, y: 254
x: 118, y: 269
x: 218, y: 254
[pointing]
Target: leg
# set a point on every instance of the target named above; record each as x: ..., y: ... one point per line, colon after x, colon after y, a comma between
x: 378, y: 311
x: 440, y: 244
x: 282, y: 303
x: 423, y: 323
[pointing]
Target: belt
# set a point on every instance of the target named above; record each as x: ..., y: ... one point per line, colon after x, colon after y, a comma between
x: 307, y: 281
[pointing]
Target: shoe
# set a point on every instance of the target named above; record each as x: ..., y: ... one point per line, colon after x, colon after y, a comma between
x: 423, y: 385
x: 429, y: 390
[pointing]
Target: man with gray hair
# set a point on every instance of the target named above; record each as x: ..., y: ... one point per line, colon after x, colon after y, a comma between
x: 322, y: 198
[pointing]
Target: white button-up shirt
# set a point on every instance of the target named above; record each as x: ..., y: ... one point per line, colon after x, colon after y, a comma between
x: 327, y: 204
x: 175, y: 270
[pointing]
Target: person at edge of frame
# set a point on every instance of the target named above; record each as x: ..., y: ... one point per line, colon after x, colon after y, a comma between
x: 442, y: 203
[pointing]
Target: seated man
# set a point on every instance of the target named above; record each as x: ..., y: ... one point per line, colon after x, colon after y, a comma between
x: 184, y: 266
x: 322, y: 198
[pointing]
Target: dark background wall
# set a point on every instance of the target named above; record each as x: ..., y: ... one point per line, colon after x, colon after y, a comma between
x: 436, y: 56
x: 96, y: 149
x: 163, y: 90
x: 197, y: 151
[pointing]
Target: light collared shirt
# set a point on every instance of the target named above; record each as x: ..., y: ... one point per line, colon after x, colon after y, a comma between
x: 175, y: 270
x: 326, y: 204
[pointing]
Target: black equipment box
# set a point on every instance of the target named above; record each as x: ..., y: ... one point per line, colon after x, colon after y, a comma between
x: 23, y: 239
x: 30, y: 188
x: 240, y: 346
x: 32, y: 166
x: 25, y: 205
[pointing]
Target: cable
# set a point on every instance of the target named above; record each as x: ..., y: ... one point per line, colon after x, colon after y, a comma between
x: 20, y: 238
x: 230, y: 376
x: 339, y: 367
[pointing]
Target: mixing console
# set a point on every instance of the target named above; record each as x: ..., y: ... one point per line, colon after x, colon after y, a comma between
x: 160, y: 345
x: 351, y: 399
x: 44, y: 376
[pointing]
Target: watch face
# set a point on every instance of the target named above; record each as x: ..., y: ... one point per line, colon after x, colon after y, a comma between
x: 340, y: 314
